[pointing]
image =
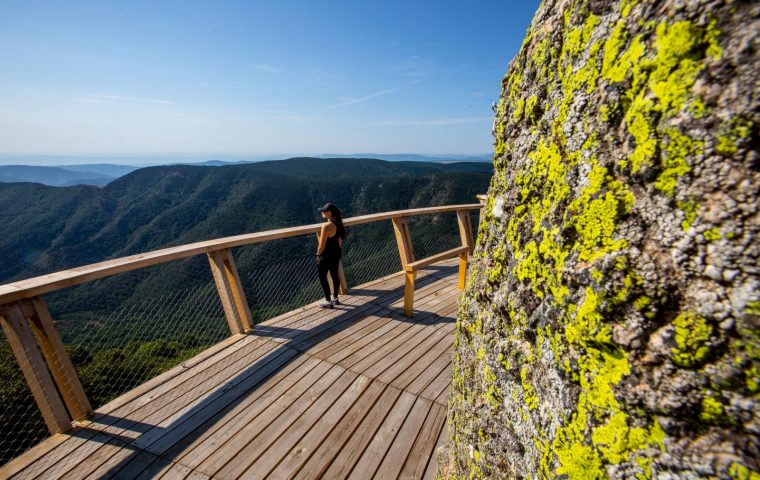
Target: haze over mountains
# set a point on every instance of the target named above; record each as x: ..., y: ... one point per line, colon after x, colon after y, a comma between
x: 61, y: 171
x: 97, y: 174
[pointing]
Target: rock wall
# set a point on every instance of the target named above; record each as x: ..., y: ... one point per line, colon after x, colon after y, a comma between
x: 610, y: 326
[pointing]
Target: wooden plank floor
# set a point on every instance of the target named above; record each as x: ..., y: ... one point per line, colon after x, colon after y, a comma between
x: 358, y: 391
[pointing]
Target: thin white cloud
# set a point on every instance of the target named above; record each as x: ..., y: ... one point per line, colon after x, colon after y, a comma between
x: 345, y: 101
x: 319, y: 76
x: 122, y: 100
x: 263, y: 67
x: 436, y: 122
x: 413, y: 66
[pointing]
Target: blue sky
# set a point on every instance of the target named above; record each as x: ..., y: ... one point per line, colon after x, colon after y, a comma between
x: 253, y: 78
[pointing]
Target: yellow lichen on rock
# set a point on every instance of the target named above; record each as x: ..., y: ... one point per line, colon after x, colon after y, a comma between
x: 613, y: 318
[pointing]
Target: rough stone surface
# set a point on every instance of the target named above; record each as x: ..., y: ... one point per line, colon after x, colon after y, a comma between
x: 610, y: 324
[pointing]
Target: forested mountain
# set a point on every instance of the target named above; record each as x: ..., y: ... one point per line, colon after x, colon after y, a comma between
x: 46, y: 229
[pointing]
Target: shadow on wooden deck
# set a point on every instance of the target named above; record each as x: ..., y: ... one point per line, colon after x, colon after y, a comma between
x: 172, y: 419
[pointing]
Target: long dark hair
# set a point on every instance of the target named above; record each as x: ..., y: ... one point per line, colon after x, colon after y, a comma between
x: 337, y: 219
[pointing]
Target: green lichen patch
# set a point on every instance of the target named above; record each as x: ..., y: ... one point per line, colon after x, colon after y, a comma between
x: 626, y: 6
x: 746, y: 350
x: 689, y: 208
x: 587, y: 327
x: 678, y: 149
x: 529, y: 394
x: 712, y: 234
x: 612, y: 442
x: 711, y: 409
x: 681, y: 51
x: 691, y: 335
x: 731, y: 133
x: 617, y: 439
x: 617, y: 66
x: 543, y: 185
x: 640, y: 121
x: 737, y: 471
x: 596, y: 212
x: 661, y: 86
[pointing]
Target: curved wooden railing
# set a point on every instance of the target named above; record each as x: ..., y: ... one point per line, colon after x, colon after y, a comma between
x: 39, y: 350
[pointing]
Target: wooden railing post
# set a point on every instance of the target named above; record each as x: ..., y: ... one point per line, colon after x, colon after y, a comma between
x: 342, y: 278
x: 406, y: 253
x: 409, y: 292
x: 21, y: 340
x: 462, y: 270
x: 58, y: 361
x: 465, y: 233
x: 465, y: 229
x: 343, y: 287
x: 403, y: 240
x: 230, y: 291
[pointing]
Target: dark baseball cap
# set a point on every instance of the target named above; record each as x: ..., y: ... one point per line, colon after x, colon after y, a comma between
x: 328, y: 206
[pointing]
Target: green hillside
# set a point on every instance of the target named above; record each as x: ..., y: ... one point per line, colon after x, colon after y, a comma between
x: 49, y: 229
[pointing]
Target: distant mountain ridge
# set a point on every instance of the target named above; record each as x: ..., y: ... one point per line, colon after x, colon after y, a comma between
x: 52, y: 176
x: 49, y: 229
x: 414, y: 157
x: 400, y: 157
x: 100, y: 174
x: 108, y: 169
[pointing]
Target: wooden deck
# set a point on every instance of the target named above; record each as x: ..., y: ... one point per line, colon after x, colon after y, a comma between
x: 359, y: 391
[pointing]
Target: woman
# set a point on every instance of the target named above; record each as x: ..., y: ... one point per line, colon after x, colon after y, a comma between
x: 328, y: 252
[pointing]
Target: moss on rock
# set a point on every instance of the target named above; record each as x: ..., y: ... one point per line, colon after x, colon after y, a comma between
x: 609, y: 324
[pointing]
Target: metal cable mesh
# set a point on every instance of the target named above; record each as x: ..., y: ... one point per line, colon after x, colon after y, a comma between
x: 281, y: 275
x: 434, y: 234
x: 285, y: 286
x: 276, y: 283
x: 21, y: 424
x: 363, y: 263
x: 278, y: 276
x: 370, y: 253
x: 281, y: 287
x: 430, y: 245
x: 157, y: 318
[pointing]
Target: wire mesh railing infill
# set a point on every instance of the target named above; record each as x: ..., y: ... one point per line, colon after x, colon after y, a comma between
x: 21, y: 424
x: 162, y: 316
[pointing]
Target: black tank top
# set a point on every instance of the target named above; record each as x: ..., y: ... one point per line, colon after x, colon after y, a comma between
x: 332, y: 246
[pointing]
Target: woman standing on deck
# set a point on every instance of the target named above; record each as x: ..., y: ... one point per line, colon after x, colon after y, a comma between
x: 328, y: 252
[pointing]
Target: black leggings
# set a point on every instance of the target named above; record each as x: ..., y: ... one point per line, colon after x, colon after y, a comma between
x: 329, y: 263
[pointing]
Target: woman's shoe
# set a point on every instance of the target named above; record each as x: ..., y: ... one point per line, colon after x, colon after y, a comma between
x: 325, y: 304
x: 335, y: 301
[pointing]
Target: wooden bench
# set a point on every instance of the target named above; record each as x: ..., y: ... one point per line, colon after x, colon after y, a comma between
x: 411, y: 272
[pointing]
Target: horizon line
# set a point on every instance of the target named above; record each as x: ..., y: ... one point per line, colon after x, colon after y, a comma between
x: 232, y: 154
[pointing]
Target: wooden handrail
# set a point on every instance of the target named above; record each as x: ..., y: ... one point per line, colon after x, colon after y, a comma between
x: 374, y: 217
x: 454, y: 252
x: 33, y: 287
